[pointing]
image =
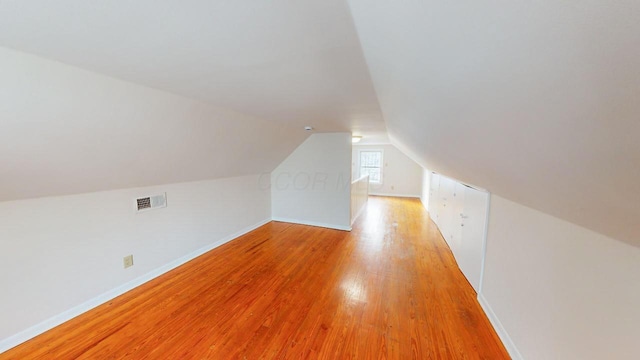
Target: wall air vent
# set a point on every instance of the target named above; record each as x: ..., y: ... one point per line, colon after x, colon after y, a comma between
x: 146, y: 203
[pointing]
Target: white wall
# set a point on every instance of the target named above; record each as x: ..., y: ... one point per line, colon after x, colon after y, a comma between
x: 313, y: 185
x: 63, y: 255
x: 461, y: 90
x: 359, y: 197
x: 401, y: 176
x: 558, y: 290
x: 68, y: 131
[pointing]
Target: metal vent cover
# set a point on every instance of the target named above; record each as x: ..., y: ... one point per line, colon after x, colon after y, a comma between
x: 150, y: 202
x: 143, y: 203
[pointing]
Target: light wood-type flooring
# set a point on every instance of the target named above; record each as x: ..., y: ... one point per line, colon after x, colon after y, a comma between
x: 390, y: 289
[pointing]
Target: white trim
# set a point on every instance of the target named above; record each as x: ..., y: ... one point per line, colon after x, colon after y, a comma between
x: 500, y: 330
x: 395, y: 195
x: 56, y: 320
x: 313, y: 223
x: 360, y: 178
x: 361, y: 184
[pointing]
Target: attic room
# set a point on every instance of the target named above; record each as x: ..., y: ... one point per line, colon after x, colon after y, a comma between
x: 232, y: 123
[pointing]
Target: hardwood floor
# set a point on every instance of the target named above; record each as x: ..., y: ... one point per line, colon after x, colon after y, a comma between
x: 390, y: 289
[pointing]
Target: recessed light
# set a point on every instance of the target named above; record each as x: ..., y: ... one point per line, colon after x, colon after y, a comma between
x: 308, y: 128
x: 355, y: 139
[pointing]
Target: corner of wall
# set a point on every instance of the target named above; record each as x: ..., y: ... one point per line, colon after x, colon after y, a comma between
x: 312, y: 186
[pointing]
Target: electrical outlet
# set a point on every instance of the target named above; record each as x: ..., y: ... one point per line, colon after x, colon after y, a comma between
x: 128, y: 261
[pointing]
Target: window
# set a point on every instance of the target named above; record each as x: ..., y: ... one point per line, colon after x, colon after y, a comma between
x: 371, y: 164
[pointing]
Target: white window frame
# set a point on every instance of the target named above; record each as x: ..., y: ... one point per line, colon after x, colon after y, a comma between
x: 381, y: 164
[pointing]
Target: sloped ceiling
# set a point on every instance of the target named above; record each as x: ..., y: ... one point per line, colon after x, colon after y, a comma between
x: 297, y: 62
x: 241, y: 80
x: 65, y: 131
x: 536, y: 101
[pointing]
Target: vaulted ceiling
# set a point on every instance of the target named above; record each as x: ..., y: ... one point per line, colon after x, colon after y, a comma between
x: 230, y: 87
x: 534, y: 101
x: 297, y: 62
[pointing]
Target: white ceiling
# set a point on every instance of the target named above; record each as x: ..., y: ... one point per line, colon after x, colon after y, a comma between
x: 536, y: 101
x: 297, y: 62
x: 281, y: 65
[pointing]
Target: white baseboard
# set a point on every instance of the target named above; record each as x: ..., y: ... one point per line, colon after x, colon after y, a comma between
x: 54, y: 321
x: 500, y: 330
x: 312, y: 223
x: 395, y: 195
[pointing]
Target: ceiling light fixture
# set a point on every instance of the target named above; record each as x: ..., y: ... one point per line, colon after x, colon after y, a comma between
x: 355, y: 139
x: 308, y: 128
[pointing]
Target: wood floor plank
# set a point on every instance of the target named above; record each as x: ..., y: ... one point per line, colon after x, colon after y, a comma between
x: 390, y: 289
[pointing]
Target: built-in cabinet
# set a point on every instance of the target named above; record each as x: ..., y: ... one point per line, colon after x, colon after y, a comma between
x: 434, y: 205
x: 460, y: 211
